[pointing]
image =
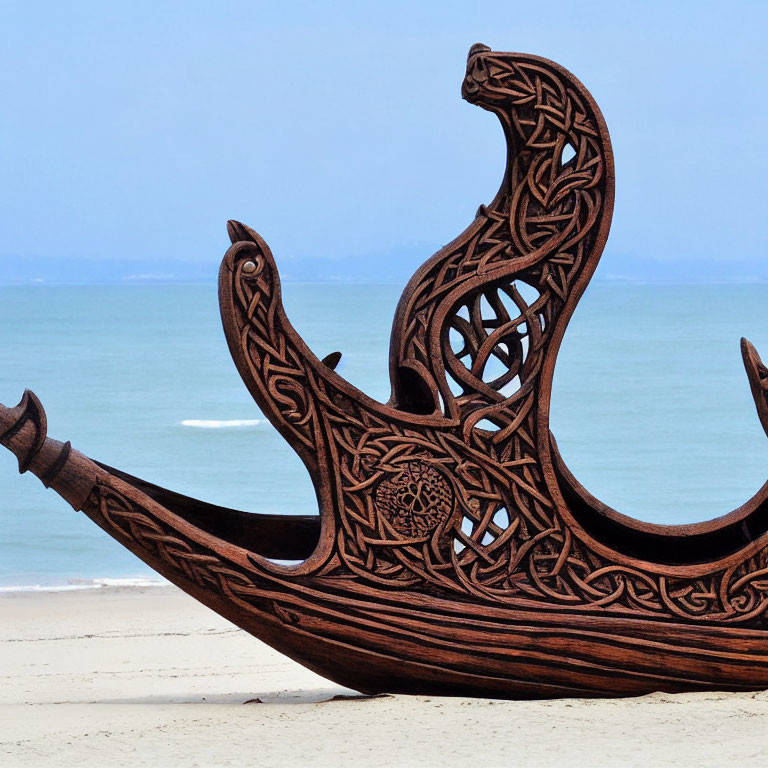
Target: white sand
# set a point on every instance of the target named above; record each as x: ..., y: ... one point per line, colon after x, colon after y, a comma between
x: 150, y: 677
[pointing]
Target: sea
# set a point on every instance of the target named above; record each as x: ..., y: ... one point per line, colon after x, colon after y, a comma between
x: 651, y: 407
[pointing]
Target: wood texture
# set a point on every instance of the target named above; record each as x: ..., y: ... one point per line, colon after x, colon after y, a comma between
x: 454, y: 552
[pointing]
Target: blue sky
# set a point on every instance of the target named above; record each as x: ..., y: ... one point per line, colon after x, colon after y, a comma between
x: 133, y: 130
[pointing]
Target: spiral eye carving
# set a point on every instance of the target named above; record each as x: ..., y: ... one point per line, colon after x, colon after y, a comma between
x: 252, y: 266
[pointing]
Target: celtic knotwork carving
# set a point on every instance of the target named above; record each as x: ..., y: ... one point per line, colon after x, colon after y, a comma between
x: 489, y: 338
x: 476, y: 325
x: 125, y: 518
x: 415, y: 499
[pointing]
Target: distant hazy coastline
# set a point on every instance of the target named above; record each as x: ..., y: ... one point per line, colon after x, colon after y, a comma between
x: 364, y: 268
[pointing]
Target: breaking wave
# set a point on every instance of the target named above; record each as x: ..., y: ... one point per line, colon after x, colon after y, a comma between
x: 79, y: 584
x: 220, y: 424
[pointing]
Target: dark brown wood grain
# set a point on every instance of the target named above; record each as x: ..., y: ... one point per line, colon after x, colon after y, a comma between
x: 454, y: 553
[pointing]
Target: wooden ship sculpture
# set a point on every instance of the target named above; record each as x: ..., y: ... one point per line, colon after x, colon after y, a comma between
x: 454, y: 552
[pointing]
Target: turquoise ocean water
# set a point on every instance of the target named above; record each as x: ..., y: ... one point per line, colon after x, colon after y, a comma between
x: 651, y: 406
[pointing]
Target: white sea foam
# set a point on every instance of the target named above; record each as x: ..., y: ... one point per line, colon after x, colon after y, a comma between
x: 79, y: 584
x: 220, y: 424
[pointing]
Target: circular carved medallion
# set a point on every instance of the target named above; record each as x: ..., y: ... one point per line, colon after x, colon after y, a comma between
x: 415, y: 500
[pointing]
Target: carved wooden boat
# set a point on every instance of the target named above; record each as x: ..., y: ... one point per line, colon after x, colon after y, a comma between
x: 454, y: 552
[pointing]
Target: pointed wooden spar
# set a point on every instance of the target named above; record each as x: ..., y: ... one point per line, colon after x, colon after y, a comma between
x: 74, y: 476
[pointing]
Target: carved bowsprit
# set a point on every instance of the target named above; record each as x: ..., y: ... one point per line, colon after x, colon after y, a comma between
x: 454, y: 551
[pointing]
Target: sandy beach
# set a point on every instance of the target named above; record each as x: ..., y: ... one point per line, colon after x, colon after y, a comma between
x: 147, y: 676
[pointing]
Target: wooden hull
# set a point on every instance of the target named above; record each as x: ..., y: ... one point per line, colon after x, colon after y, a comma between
x: 402, y: 642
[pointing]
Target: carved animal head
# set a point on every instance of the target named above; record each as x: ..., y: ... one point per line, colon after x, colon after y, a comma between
x: 248, y: 273
x: 492, y: 80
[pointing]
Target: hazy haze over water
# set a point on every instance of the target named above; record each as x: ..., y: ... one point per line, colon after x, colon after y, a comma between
x: 133, y: 130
